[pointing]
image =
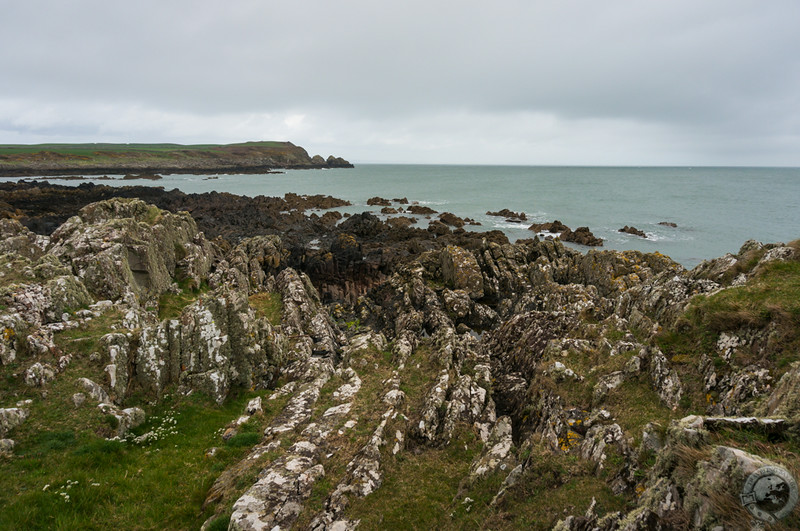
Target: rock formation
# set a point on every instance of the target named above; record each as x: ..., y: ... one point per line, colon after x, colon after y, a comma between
x: 605, y: 390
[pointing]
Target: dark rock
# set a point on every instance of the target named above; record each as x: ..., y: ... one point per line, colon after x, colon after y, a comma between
x: 330, y: 218
x: 581, y: 236
x: 401, y: 201
x: 338, y: 162
x: 401, y: 222
x: 421, y: 210
x: 508, y: 214
x: 451, y: 219
x: 555, y: 226
x: 633, y: 230
x: 388, y: 210
x: 378, y: 201
x: 438, y: 228
x: 668, y: 224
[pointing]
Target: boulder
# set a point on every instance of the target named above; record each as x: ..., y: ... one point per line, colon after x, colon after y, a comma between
x: 420, y: 210
x: 633, y: 230
x: 581, y: 236
x: 379, y: 201
x: 451, y: 219
x: 554, y: 227
x: 509, y: 214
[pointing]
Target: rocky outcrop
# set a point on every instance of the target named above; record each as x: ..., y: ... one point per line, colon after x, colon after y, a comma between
x: 509, y: 214
x: 548, y: 366
x: 581, y: 236
x: 633, y: 230
x: 554, y: 227
x: 118, y: 246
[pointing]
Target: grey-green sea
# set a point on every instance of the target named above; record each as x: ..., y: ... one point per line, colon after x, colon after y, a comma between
x: 715, y: 209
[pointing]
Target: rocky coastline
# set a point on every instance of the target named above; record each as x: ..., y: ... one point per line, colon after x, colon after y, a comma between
x: 550, y: 388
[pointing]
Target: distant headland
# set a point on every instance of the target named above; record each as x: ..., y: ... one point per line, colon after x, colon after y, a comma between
x: 98, y: 159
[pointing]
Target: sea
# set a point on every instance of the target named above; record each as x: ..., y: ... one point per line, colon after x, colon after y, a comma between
x: 715, y: 209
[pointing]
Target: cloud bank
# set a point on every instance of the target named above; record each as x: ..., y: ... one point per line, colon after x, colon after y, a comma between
x: 515, y: 82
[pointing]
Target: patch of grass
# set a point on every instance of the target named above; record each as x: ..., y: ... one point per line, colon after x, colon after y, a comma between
x: 418, y: 488
x: 269, y: 305
x: 552, y: 487
x: 635, y: 403
x: 241, y: 440
x: 115, y: 484
x: 170, y: 305
x: 770, y: 299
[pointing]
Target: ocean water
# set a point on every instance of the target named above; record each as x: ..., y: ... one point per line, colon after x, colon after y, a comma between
x: 715, y: 209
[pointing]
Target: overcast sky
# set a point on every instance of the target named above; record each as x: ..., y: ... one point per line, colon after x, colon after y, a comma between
x: 682, y: 82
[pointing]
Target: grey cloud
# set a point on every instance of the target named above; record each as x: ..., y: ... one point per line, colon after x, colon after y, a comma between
x: 719, y: 71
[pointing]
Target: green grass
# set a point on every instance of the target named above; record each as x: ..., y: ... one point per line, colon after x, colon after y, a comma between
x: 170, y: 305
x: 418, y: 488
x: 269, y: 305
x: 113, y: 484
x: 770, y: 299
x: 91, y: 149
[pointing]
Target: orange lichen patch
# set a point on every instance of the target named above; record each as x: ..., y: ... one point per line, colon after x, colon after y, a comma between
x: 569, y: 441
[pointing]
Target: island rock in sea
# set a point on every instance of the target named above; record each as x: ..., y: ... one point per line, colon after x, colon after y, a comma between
x: 496, y: 378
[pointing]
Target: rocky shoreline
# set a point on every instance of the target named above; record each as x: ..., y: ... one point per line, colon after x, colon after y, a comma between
x: 597, y: 390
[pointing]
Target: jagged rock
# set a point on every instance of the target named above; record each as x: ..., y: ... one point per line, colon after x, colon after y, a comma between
x: 582, y: 236
x: 420, y: 210
x: 116, y: 245
x: 509, y: 214
x: 633, y: 230
x: 254, y: 406
x: 17, y: 239
x: 460, y: 270
x: 668, y: 224
x: 97, y: 393
x: 452, y: 220
x: 607, y: 383
x: 438, y: 228
x: 553, y: 227
x: 497, y: 454
x: 378, y: 201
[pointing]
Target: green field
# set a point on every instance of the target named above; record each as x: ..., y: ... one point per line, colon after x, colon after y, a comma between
x: 93, y: 148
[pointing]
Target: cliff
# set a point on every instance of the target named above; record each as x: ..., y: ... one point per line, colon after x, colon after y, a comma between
x: 386, y: 377
x: 99, y: 159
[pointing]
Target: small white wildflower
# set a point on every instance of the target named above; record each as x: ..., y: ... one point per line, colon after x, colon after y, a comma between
x: 46, y: 487
x: 95, y: 484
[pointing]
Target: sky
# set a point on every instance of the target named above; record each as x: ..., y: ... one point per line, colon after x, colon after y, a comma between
x: 613, y: 82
